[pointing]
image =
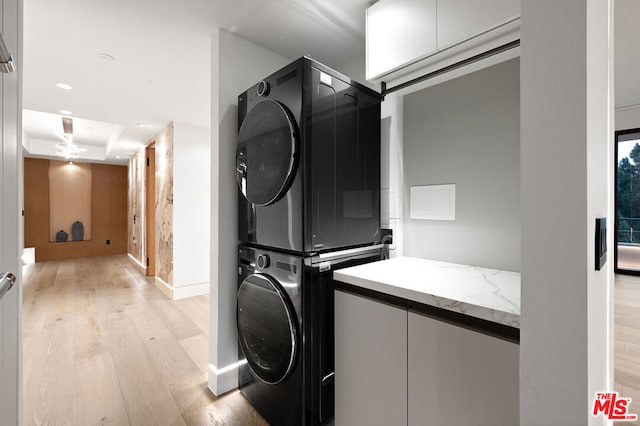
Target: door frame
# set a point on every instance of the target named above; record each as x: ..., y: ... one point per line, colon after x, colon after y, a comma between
x: 616, y: 221
x: 150, y: 208
x: 11, y: 223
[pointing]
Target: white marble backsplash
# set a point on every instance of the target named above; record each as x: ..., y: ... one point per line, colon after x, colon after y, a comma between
x: 488, y: 294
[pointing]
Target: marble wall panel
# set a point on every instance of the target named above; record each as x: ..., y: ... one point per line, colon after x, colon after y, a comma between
x: 164, y: 205
x: 135, y: 217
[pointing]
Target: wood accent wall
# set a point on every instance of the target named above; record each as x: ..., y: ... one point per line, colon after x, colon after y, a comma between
x: 36, y: 203
x: 108, y: 213
x: 69, y: 197
x: 109, y: 209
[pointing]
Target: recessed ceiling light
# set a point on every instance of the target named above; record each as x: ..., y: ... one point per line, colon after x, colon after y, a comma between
x: 65, y: 112
x: 64, y: 86
x: 107, y: 57
x: 117, y: 156
x: 143, y: 125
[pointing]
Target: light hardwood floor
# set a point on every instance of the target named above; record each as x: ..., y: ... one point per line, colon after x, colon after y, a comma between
x: 102, y: 346
x: 627, y: 341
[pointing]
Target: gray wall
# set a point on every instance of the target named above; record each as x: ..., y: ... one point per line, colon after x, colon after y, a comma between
x: 467, y: 131
x: 628, y: 118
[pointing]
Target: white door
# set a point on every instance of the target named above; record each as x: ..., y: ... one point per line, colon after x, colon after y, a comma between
x: 10, y: 220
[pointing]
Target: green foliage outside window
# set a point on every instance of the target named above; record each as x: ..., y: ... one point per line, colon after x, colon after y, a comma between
x: 628, y: 194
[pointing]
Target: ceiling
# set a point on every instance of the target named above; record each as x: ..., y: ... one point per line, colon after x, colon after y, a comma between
x: 627, y: 53
x: 136, y: 65
x: 158, y: 64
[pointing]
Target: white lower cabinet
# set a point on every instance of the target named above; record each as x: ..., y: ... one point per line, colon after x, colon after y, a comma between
x: 460, y: 377
x: 394, y: 367
x: 370, y: 362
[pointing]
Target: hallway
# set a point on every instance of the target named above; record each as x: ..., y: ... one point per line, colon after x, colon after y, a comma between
x: 102, y: 345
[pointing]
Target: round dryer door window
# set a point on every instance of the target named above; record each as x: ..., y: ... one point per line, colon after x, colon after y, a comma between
x: 266, y: 328
x: 266, y: 153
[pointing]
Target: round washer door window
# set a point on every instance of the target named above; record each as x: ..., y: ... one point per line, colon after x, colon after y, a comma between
x: 266, y: 328
x: 266, y: 153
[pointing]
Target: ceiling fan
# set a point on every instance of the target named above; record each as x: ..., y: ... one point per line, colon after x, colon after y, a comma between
x: 67, y: 148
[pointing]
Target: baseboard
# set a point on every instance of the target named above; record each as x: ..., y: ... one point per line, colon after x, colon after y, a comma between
x: 182, y: 292
x: 191, y: 290
x: 164, y: 287
x: 138, y: 264
x: 224, y: 379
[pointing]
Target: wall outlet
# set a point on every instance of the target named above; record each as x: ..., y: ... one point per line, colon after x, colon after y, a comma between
x: 108, y: 242
x: 387, y: 235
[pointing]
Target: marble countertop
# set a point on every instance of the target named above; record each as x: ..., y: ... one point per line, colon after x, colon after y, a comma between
x: 488, y: 294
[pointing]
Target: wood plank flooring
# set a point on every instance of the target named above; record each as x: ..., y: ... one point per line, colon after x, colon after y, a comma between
x: 103, y: 346
x: 627, y: 341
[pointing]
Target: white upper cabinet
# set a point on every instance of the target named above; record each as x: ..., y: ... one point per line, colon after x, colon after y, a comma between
x: 398, y: 32
x: 459, y: 20
x: 405, y: 36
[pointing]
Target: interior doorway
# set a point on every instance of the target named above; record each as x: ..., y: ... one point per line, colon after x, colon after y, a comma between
x: 627, y: 202
x: 150, y: 208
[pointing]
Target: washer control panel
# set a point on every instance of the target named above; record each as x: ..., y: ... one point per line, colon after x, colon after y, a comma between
x: 263, y: 261
x: 263, y: 89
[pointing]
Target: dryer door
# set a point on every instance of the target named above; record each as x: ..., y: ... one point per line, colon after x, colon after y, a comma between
x: 266, y: 153
x: 266, y: 328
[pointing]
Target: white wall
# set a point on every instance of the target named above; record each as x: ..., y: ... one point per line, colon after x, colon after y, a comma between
x: 566, y: 182
x: 355, y: 67
x: 236, y: 65
x: 392, y: 169
x: 191, y: 210
x: 466, y: 131
x: 628, y: 118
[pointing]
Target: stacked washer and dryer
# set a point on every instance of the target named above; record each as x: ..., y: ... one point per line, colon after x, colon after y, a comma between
x: 308, y: 171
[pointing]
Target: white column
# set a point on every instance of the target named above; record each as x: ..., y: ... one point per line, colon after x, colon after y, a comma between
x: 191, y: 210
x: 566, y: 182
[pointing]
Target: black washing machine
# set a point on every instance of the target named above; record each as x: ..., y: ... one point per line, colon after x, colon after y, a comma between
x: 284, y: 314
x: 308, y: 161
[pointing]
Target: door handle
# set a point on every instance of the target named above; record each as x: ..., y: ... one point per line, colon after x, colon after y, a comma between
x: 6, y: 282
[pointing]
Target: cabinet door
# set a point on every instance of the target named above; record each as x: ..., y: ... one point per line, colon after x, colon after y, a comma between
x: 460, y: 377
x: 370, y: 362
x: 460, y: 20
x: 399, y: 32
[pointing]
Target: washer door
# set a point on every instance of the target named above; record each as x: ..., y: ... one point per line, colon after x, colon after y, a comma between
x: 266, y: 153
x: 266, y: 328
